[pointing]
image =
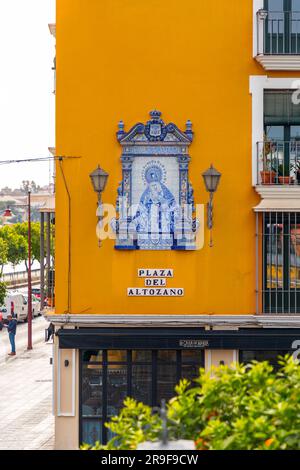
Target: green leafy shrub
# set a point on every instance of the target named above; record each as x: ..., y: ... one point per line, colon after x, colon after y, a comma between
x: 238, y: 408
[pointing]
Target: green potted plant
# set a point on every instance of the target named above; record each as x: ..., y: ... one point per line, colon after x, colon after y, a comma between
x: 284, y: 174
x: 296, y: 169
x: 267, y: 174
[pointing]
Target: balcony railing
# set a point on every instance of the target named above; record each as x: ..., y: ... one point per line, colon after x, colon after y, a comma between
x: 278, y: 33
x: 278, y: 163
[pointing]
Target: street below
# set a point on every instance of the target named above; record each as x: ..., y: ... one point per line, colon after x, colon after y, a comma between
x: 26, y: 420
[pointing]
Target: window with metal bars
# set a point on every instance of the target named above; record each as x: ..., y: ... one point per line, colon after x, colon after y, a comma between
x: 282, y: 27
x: 281, y: 262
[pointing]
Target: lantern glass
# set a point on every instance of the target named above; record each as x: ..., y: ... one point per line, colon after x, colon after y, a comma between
x: 7, y: 213
x: 211, y: 179
x: 99, y: 179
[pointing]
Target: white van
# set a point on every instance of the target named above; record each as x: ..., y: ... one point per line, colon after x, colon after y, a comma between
x: 18, y: 302
x: 36, y: 305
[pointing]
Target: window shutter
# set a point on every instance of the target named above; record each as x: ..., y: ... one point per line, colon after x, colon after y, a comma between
x: 279, y: 108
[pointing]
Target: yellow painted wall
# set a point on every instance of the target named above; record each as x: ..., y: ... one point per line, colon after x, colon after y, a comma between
x: 118, y: 59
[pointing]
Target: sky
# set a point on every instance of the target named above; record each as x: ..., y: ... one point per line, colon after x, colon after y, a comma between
x: 27, y: 101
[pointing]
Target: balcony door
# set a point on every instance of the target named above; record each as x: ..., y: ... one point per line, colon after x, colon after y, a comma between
x: 282, y: 130
x: 285, y: 150
x: 282, y: 27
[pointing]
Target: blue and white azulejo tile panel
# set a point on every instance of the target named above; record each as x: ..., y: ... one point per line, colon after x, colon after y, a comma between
x: 155, y: 202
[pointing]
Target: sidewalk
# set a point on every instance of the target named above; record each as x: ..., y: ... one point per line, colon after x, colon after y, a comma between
x: 38, y: 335
x: 26, y: 420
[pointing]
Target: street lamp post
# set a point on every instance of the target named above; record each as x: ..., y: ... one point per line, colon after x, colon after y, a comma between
x: 7, y: 214
x: 29, y: 345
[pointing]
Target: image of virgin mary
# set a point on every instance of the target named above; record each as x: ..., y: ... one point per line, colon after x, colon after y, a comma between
x: 157, y: 211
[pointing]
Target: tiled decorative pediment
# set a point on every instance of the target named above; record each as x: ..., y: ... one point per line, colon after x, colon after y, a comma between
x: 155, y: 200
x: 155, y: 130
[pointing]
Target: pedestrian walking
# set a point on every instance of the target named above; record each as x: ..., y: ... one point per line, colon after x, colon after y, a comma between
x: 11, y: 329
x: 50, y: 332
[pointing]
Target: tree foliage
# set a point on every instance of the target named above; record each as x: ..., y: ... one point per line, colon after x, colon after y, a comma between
x: 14, y: 243
x: 3, y: 253
x: 3, y: 290
x: 238, y: 408
x: 17, y: 244
x: 26, y: 185
x: 22, y: 229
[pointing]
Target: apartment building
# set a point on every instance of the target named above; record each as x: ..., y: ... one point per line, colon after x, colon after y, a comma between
x: 167, y: 106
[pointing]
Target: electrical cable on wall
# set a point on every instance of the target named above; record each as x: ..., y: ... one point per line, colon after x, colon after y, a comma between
x: 37, y: 159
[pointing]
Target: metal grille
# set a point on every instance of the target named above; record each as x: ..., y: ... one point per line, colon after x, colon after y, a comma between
x: 279, y: 249
x: 282, y: 33
x: 279, y: 163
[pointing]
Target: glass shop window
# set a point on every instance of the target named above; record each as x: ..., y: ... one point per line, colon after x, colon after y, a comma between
x: 246, y: 357
x: 109, y: 376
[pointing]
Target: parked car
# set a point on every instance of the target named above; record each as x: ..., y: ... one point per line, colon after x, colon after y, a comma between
x: 36, y: 306
x: 16, y: 303
x: 1, y: 319
x: 37, y: 292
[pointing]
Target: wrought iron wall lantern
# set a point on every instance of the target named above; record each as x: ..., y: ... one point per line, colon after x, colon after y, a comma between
x: 99, y: 179
x: 211, y: 179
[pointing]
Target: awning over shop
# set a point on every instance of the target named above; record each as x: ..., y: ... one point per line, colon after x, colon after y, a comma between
x: 175, y: 338
x: 278, y: 205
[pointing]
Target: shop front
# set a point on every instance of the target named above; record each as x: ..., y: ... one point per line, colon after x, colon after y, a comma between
x: 147, y: 363
x: 109, y: 376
